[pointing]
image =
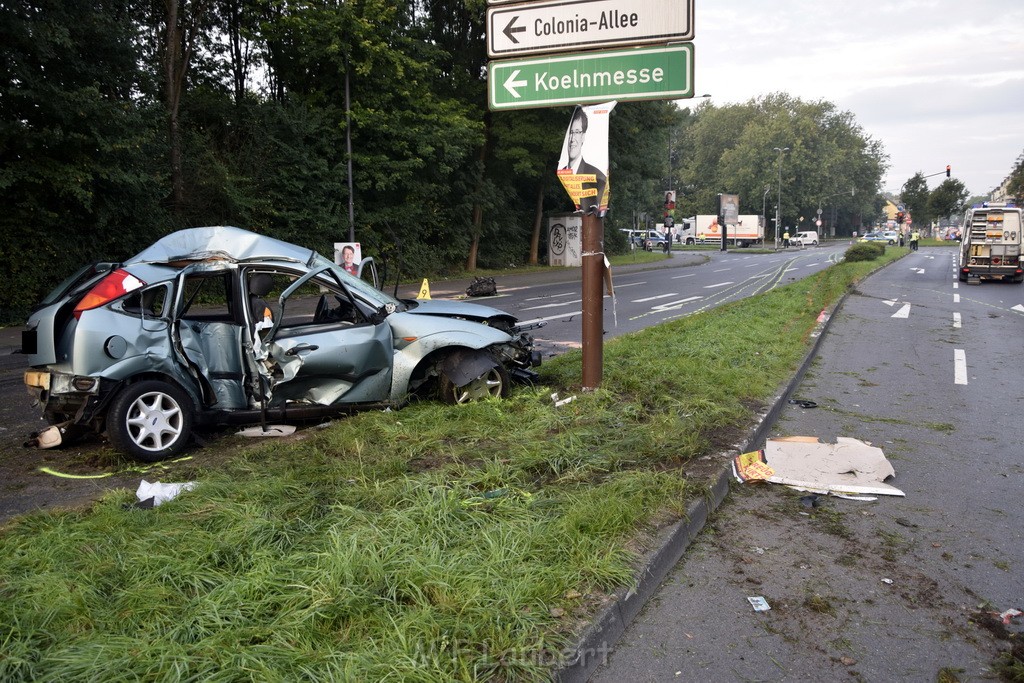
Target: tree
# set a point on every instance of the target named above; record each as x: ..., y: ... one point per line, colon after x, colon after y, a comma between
x: 947, y: 199
x: 76, y: 178
x: 1015, y: 188
x: 915, y: 196
x: 732, y: 149
x: 184, y: 22
x: 638, y: 152
x: 525, y: 150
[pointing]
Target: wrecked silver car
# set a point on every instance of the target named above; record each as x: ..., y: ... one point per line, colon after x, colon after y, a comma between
x: 220, y: 325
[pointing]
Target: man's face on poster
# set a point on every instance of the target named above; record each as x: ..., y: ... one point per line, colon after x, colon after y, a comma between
x: 576, y: 136
x: 348, y: 254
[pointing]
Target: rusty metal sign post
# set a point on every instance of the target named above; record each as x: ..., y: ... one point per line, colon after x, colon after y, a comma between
x: 593, y: 301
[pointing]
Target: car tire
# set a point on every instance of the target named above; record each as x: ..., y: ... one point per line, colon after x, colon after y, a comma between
x: 150, y: 420
x: 492, y: 384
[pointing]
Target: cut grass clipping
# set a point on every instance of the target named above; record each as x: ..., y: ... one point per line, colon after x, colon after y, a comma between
x: 434, y: 543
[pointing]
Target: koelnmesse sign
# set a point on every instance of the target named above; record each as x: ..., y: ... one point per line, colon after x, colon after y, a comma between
x: 653, y: 73
x: 567, y: 25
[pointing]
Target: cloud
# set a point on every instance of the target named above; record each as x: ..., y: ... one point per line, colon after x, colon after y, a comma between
x: 935, y: 81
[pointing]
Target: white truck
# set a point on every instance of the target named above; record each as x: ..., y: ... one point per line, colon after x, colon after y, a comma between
x: 748, y: 230
x: 991, y: 243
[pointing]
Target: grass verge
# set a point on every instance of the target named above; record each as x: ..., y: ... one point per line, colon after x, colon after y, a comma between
x: 433, y: 543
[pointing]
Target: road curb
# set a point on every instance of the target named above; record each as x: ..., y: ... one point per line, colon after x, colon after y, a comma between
x: 598, y: 639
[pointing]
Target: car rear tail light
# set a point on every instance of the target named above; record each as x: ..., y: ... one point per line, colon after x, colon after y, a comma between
x: 110, y: 288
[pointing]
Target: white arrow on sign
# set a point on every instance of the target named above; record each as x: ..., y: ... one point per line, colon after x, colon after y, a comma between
x: 511, y: 83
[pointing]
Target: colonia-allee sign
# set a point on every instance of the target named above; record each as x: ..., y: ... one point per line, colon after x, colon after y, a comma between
x: 580, y: 24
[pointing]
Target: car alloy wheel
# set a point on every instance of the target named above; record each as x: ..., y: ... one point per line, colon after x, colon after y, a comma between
x: 150, y: 420
x: 494, y: 383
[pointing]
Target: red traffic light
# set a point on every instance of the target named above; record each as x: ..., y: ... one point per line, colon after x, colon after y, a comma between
x: 947, y: 170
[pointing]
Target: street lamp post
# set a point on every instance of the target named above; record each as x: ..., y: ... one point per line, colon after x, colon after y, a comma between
x: 764, y: 204
x: 778, y: 206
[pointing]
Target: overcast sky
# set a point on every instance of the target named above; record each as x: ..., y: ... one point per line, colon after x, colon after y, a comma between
x: 936, y: 81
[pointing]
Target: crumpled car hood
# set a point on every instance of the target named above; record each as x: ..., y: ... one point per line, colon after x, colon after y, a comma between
x: 456, y: 308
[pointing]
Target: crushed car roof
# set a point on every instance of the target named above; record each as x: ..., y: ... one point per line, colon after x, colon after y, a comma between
x: 219, y: 242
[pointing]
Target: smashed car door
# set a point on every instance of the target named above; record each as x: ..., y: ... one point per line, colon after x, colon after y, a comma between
x: 210, y: 335
x: 319, y: 347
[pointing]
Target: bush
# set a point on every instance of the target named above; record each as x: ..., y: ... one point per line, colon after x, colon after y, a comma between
x: 865, y: 251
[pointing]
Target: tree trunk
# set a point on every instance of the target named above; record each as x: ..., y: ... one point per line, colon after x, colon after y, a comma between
x: 238, y: 47
x: 478, y: 209
x: 538, y: 222
x: 172, y: 100
x: 180, y: 41
x: 474, y: 245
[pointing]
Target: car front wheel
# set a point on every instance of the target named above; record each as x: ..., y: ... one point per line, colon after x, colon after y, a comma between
x: 150, y: 421
x: 494, y: 383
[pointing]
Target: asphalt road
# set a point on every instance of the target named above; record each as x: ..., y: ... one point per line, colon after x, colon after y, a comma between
x: 897, y: 589
x: 688, y: 283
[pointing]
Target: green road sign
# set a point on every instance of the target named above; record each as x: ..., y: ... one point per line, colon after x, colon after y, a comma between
x: 652, y: 73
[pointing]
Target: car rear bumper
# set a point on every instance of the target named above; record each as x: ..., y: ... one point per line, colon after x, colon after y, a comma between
x: 79, y: 398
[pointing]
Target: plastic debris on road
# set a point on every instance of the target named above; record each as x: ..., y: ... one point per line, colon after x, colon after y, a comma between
x: 849, y: 467
x: 561, y: 402
x: 759, y: 603
x: 161, y: 493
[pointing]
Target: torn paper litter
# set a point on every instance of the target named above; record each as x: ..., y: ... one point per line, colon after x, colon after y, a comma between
x: 161, y: 493
x: 849, y: 466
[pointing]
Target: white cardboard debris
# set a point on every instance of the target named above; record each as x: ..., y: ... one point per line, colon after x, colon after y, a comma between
x: 161, y: 493
x: 849, y: 466
x: 759, y: 603
x: 271, y: 430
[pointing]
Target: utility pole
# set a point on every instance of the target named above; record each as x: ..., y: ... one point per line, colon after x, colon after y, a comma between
x: 778, y: 206
x: 593, y: 299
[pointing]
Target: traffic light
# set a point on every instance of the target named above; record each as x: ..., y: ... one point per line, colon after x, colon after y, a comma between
x: 900, y: 217
x: 947, y: 170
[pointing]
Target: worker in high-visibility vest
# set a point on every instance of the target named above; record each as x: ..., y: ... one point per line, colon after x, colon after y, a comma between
x: 785, y: 239
x: 914, y: 237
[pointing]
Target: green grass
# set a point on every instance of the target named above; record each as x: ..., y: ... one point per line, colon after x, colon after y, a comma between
x: 434, y: 543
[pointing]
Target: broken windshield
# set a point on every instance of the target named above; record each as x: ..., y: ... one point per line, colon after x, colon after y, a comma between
x: 360, y: 288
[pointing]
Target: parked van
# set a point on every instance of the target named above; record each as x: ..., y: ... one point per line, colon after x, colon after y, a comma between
x: 807, y: 238
x: 645, y: 239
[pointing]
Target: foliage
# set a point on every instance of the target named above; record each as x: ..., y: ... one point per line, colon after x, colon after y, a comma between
x: 830, y: 163
x: 947, y: 199
x: 77, y: 178
x: 101, y: 155
x: 1015, y: 187
x: 864, y: 251
x: 915, y: 196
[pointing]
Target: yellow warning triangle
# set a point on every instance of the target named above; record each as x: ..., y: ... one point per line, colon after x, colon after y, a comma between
x: 424, y: 290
